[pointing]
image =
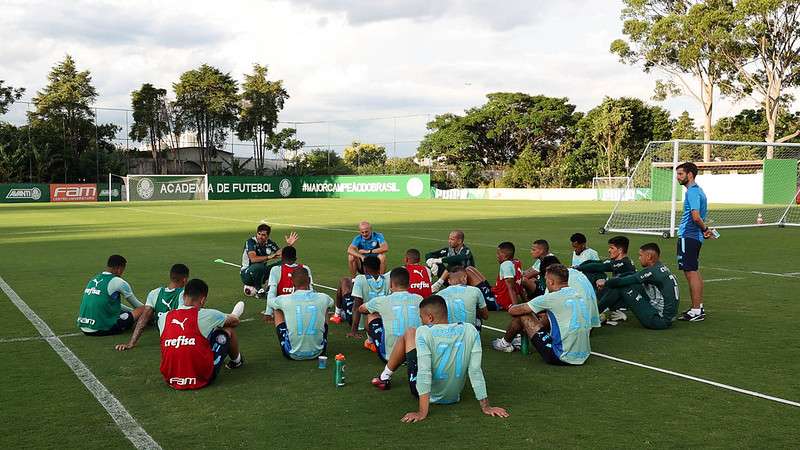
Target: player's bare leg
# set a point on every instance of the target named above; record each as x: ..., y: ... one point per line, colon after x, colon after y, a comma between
x: 353, y: 264
x: 695, y: 281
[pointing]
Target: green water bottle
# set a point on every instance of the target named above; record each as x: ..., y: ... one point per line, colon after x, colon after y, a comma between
x: 339, y: 376
x: 525, y: 347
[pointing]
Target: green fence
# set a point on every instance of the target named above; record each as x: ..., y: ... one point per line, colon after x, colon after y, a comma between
x: 378, y: 186
x: 24, y: 192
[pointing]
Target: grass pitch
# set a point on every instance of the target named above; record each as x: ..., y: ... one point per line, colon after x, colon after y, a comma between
x: 48, y: 252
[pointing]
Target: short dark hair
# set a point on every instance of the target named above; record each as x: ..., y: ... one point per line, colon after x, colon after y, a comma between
x: 300, y: 277
x: 116, y: 261
x: 651, y: 247
x: 548, y: 261
x: 178, y: 271
x: 264, y: 227
x: 289, y: 253
x: 436, y: 305
x: 542, y: 243
x: 620, y: 242
x: 507, y: 248
x: 413, y: 254
x: 688, y: 167
x: 459, y: 234
x: 399, y: 276
x: 559, y: 271
x: 372, y: 262
x: 195, y: 289
x: 456, y: 268
x: 580, y: 238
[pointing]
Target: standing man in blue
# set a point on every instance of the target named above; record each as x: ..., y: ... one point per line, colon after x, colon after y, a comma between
x: 691, y: 234
x: 367, y: 242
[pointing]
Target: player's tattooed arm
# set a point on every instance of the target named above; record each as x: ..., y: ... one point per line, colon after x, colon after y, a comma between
x: 147, y: 313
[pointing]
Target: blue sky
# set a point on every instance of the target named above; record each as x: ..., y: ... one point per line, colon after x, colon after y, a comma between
x: 340, y: 60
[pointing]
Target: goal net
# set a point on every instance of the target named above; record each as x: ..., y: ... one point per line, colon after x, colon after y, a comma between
x: 610, y: 189
x: 748, y: 184
x: 165, y: 187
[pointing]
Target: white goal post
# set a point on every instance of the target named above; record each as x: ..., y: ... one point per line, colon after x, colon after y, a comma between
x: 744, y: 187
x: 163, y: 187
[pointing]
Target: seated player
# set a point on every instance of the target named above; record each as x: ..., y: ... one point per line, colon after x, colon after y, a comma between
x: 562, y: 335
x: 195, y: 340
x: 464, y: 303
x: 300, y: 319
x: 259, y: 250
x: 102, y: 312
x: 160, y: 301
x: 420, y: 276
x: 280, y: 277
x: 508, y: 288
x: 651, y: 293
x: 580, y: 251
x: 438, y: 355
x: 353, y: 293
x: 390, y: 316
x: 456, y: 253
x: 367, y: 242
x: 531, y: 280
x: 618, y: 264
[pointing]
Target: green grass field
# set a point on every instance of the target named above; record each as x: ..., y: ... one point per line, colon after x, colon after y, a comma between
x: 48, y: 252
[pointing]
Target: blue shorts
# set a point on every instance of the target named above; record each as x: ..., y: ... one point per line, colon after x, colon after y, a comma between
x: 286, y: 346
x: 220, y: 344
x: 689, y: 254
x: 376, y: 331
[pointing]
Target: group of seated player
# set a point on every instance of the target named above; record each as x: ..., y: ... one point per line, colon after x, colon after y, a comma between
x: 432, y: 327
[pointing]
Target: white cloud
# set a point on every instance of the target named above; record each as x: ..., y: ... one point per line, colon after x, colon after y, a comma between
x: 338, y: 59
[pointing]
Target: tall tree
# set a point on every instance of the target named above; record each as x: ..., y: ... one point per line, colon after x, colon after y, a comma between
x: 680, y: 38
x: 358, y: 154
x: 208, y: 103
x: 684, y: 127
x: 8, y: 95
x: 149, y: 123
x: 764, y: 47
x: 65, y: 105
x: 262, y: 100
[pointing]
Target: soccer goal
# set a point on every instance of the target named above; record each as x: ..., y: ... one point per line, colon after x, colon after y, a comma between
x: 610, y: 189
x: 748, y: 184
x: 164, y: 187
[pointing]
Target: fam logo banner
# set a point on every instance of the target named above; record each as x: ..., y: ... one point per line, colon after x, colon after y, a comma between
x: 73, y: 192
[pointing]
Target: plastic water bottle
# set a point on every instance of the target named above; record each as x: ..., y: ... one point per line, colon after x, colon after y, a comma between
x: 525, y: 347
x: 339, y: 375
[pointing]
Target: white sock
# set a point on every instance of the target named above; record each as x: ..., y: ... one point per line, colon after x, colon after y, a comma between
x: 696, y: 311
x: 505, y: 341
x: 238, y: 309
x: 386, y: 374
x: 339, y: 311
x: 238, y: 359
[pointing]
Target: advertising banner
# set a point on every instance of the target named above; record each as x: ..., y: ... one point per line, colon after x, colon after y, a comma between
x: 348, y: 186
x: 24, y: 192
x: 73, y: 192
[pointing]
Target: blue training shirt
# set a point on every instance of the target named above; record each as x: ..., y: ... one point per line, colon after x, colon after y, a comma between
x: 695, y: 199
x: 371, y: 243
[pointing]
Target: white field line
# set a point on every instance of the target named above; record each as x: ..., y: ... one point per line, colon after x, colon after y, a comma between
x: 126, y: 423
x: 782, y: 275
x: 722, y: 279
x: 688, y: 377
x: 36, y: 338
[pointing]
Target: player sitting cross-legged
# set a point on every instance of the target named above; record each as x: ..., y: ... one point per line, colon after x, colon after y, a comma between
x: 390, y: 315
x: 651, y: 293
x: 196, y: 340
x: 352, y: 294
x: 101, y: 312
x: 562, y: 335
x: 300, y: 319
x: 280, y: 277
x: 464, y: 303
x: 439, y: 356
x: 160, y: 301
x: 456, y: 253
x: 259, y: 250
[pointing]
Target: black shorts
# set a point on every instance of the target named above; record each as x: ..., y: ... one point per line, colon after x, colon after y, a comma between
x: 376, y: 332
x: 347, y: 308
x: 286, y: 346
x: 544, y: 345
x: 411, y: 364
x: 689, y: 254
x: 220, y: 344
x: 124, y: 322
